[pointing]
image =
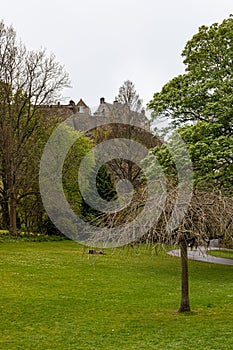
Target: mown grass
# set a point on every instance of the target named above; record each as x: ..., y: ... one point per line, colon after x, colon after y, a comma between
x: 228, y: 254
x: 56, y: 296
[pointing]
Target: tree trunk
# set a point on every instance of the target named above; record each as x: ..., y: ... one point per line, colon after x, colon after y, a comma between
x: 5, y: 212
x: 5, y: 198
x: 13, y: 225
x: 184, y: 304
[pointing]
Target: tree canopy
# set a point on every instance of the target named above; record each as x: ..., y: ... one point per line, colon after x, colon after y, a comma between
x: 202, y: 100
x: 205, y: 91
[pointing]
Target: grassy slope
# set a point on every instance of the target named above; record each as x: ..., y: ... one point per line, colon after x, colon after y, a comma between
x: 55, y: 296
x: 228, y: 254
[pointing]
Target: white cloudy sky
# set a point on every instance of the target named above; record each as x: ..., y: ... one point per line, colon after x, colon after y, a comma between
x: 102, y: 43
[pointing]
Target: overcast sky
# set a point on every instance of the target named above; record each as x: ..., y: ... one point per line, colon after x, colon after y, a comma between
x: 102, y: 43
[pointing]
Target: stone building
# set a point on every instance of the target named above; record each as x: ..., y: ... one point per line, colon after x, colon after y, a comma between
x: 114, y: 112
x: 109, y: 121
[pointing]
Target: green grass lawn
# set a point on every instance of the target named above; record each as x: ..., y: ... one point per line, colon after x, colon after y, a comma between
x: 56, y: 296
x: 222, y: 253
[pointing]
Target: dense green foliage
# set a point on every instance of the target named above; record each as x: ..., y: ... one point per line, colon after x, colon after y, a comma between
x: 71, y: 167
x: 105, y: 189
x: 72, y: 179
x: 204, y: 92
x: 202, y: 99
x: 211, y: 152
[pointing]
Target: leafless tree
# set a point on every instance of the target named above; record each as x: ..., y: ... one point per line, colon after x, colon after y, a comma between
x: 28, y: 79
x: 208, y: 215
x: 129, y: 96
x: 127, y: 107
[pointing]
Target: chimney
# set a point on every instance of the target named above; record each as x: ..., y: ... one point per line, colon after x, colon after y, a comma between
x: 102, y: 100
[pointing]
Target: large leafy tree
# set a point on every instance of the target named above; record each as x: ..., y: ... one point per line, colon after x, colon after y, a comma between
x: 203, y: 96
x: 204, y: 91
x: 200, y: 103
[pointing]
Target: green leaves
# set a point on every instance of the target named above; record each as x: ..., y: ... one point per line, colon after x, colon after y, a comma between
x: 202, y: 100
x: 211, y: 153
x: 205, y: 91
